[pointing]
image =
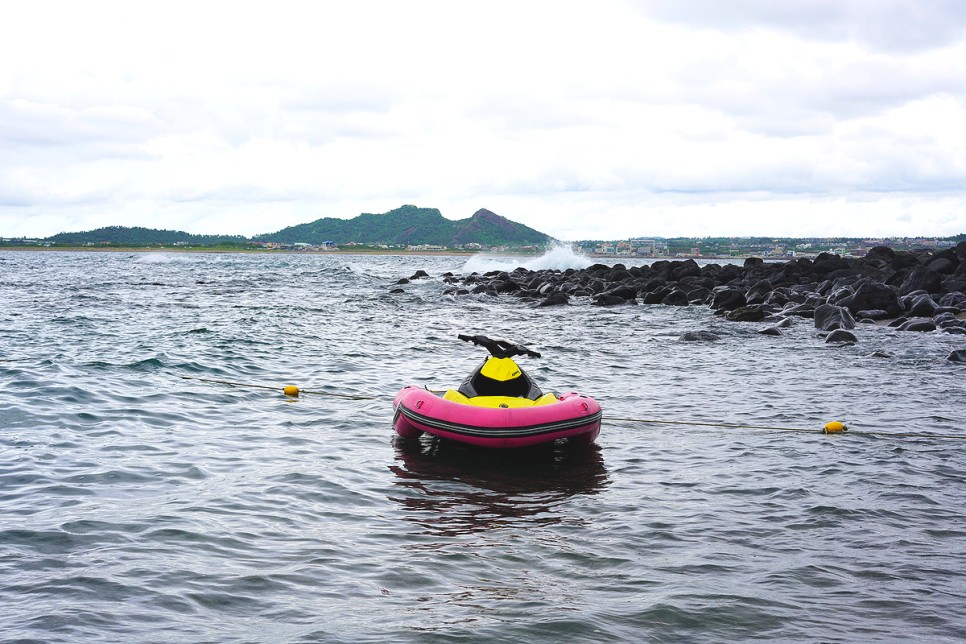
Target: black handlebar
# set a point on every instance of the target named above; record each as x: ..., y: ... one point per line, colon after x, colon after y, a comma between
x: 499, y: 348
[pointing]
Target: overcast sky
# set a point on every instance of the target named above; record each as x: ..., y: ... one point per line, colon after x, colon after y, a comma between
x: 585, y: 120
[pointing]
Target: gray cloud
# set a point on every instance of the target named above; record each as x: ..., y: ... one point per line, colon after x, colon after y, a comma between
x: 118, y: 128
x: 887, y: 25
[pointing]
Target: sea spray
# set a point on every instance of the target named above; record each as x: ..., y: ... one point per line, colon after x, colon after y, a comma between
x: 159, y: 258
x: 559, y: 257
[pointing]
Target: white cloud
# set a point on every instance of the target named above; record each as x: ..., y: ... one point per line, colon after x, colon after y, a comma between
x: 638, y: 118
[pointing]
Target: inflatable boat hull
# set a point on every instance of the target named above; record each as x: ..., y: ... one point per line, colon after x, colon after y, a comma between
x: 574, y: 416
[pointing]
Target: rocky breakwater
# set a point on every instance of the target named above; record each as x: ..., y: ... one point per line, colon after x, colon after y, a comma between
x: 912, y: 291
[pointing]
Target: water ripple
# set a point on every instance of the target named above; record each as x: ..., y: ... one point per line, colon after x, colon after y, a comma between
x: 139, y: 504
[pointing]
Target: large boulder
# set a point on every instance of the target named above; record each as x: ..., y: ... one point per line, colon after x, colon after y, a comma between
x: 728, y: 299
x: 920, y: 278
x: 954, y: 283
x: 687, y: 268
x: 880, y: 253
x: 752, y: 263
x: 699, y: 336
x: 656, y: 297
x: 922, y: 306
x: 677, y: 297
x: 605, y: 299
x: 872, y: 314
x: 828, y: 263
x: 618, y: 274
x: 779, y: 297
x: 839, y: 336
x: 829, y: 317
x: 624, y: 291
x: 801, y: 310
x: 753, y: 313
x: 918, y: 324
x: 758, y: 293
x: 555, y: 299
x: 873, y: 296
x: 953, y: 299
x: 699, y: 295
x: 840, y: 295
x: 942, y: 265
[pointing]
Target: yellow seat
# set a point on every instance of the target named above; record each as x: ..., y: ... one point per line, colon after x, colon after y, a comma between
x: 494, y: 402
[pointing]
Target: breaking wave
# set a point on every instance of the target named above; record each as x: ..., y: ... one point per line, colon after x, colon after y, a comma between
x: 559, y: 257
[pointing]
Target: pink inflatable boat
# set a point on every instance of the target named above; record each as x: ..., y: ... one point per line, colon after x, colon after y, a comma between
x: 498, y: 405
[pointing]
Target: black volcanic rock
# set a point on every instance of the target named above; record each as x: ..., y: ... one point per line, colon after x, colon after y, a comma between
x: 920, y: 278
x: 676, y: 297
x: 918, y: 291
x: 918, y: 324
x: 872, y: 295
x: 839, y: 336
x: 882, y: 253
x: 922, y: 306
x: 606, y: 299
x: 829, y: 317
x: 699, y: 336
x: 624, y: 292
x: 555, y: 299
x: 752, y: 313
x: 729, y: 299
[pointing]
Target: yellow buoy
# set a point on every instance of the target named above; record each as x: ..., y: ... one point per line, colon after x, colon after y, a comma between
x: 834, y: 427
x: 291, y: 390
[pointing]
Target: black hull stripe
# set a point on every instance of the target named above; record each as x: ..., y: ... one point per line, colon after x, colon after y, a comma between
x: 497, y: 432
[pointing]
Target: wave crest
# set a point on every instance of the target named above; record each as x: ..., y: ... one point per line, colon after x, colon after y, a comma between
x: 560, y: 257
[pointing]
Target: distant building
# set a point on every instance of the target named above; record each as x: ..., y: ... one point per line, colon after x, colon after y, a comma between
x: 425, y: 247
x: 649, y: 247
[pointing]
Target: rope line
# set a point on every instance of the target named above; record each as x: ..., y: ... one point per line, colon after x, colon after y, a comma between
x: 646, y: 421
x: 301, y: 391
x: 656, y: 421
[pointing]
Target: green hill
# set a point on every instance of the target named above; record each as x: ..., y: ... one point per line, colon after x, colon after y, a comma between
x: 124, y: 236
x: 402, y: 226
x: 411, y: 225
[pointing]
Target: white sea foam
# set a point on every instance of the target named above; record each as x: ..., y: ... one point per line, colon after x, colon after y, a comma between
x: 355, y: 269
x: 158, y: 258
x: 559, y: 257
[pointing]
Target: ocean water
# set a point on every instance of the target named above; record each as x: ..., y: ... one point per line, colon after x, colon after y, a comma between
x: 141, y: 501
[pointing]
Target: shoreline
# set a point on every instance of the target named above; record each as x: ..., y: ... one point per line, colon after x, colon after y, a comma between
x: 243, y: 251
x: 395, y: 252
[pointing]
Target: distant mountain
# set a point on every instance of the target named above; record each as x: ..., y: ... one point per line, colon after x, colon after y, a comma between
x: 124, y: 236
x: 411, y: 225
x: 405, y: 225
